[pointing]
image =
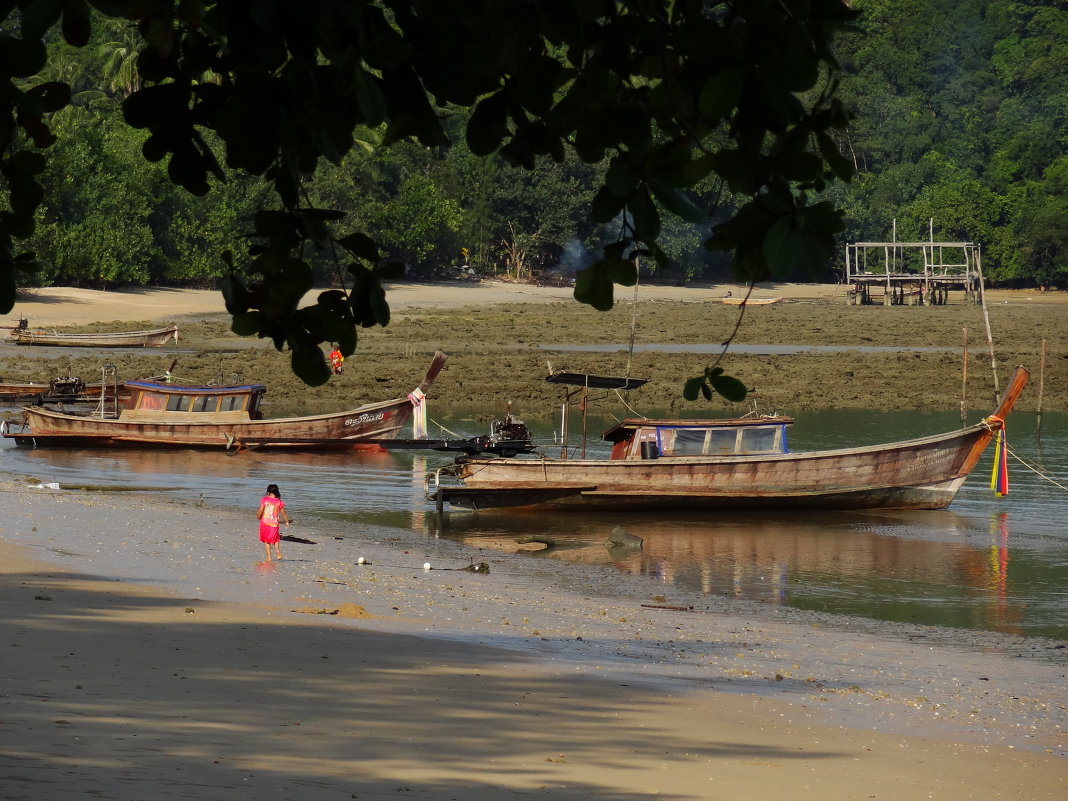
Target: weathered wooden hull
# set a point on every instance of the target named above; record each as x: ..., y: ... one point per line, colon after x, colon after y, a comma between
x: 156, y: 338
x: 13, y: 391
x: 10, y: 390
x: 923, y: 473
x: 918, y: 474
x: 750, y: 301
x: 230, y: 430
x: 382, y: 420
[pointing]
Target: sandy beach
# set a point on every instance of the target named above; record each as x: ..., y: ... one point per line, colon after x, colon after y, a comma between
x: 151, y: 654
x: 68, y: 306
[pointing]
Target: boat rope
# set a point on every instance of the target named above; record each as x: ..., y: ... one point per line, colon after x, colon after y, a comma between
x: 1036, y: 470
x: 631, y: 408
x: 440, y: 426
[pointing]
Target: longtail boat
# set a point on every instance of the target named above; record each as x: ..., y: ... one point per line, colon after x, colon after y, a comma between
x: 66, y: 389
x: 12, y: 390
x: 58, y: 390
x: 155, y: 338
x: 724, y: 464
x: 743, y: 301
x: 163, y: 414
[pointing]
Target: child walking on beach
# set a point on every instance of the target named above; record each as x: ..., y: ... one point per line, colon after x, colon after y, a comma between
x: 271, y: 509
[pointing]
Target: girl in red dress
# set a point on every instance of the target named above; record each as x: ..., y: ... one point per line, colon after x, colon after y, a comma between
x: 271, y: 509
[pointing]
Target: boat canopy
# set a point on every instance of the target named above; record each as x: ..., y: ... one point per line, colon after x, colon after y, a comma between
x: 596, y: 381
x: 735, y: 437
x: 179, y: 389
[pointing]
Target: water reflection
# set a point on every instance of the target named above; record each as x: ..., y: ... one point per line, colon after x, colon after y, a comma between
x: 987, y: 563
x: 827, y: 561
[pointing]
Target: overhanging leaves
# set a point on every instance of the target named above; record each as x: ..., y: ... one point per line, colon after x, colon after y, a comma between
x: 680, y: 97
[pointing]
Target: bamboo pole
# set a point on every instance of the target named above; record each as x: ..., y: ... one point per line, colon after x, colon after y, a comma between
x: 989, y: 336
x: 964, y: 383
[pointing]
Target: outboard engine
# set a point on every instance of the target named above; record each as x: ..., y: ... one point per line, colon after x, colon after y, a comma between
x: 507, y: 437
x: 66, y: 387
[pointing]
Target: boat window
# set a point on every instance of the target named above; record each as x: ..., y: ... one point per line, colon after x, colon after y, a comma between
x: 152, y: 401
x: 206, y: 403
x: 688, y: 442
x: 178, y: 403
x: 232, y: 403
x: 722, y: 441
x: 759, y: 440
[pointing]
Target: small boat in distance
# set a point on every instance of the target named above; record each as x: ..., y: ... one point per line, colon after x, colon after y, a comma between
x: 25, y: 390
x: 225, y: 417
x: 155, y: 338
x: 732, y: 301
x: 740, y: 463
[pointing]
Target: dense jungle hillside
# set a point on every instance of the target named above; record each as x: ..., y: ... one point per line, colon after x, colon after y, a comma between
x: 961, y: 114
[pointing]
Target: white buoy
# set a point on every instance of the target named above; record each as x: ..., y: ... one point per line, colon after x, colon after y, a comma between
x: 426, y: 565
x: 360, y: 561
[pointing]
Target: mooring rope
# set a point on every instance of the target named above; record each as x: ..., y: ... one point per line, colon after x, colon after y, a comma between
x: 440, y: 426
x: 633, y: 411
x: 1037, y: 471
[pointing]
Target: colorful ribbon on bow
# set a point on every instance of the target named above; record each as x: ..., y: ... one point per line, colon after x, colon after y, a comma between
x: 999, y: 478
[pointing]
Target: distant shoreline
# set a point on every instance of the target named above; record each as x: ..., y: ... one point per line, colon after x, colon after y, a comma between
x: 60, y: 306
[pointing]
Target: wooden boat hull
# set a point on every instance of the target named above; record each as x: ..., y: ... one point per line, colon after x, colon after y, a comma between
x: 749, y: 301
x: 382, y: 420
x: 155, y: 338
x: 13, y: 391
x: 10, y: 390
x: 919, y: 474
x: 923, y: 473
x: 238, y: 429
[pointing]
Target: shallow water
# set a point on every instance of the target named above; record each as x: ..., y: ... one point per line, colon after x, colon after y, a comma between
x: 987, y: 563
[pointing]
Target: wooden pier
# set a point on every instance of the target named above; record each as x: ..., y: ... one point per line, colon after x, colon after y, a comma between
x: 912, y: 273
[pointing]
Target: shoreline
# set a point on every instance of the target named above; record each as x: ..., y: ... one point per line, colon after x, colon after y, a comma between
x: 71, y: 306
x: 150, y: 650
x: 456, y: 683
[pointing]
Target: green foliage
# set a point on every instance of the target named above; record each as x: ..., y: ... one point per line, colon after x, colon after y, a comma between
x: 962, y: 111
x: 674, y: 92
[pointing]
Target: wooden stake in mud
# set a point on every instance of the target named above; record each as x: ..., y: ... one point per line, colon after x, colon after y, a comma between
x: 964, y: 384
x: 1041, y: 386
x: 633, y: 317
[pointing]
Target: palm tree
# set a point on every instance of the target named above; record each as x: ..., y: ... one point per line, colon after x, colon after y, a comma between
x: 118, y: 71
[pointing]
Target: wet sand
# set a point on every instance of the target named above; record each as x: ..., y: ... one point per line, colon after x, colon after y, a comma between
x: 150, y: 654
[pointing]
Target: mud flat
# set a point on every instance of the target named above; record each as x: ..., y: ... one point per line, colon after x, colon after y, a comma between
x: 502, y: 338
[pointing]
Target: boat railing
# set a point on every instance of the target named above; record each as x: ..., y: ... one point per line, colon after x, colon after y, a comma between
x: 437, y: 479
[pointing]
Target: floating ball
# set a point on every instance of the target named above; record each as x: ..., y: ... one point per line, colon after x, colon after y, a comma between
x: 426, y: 565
